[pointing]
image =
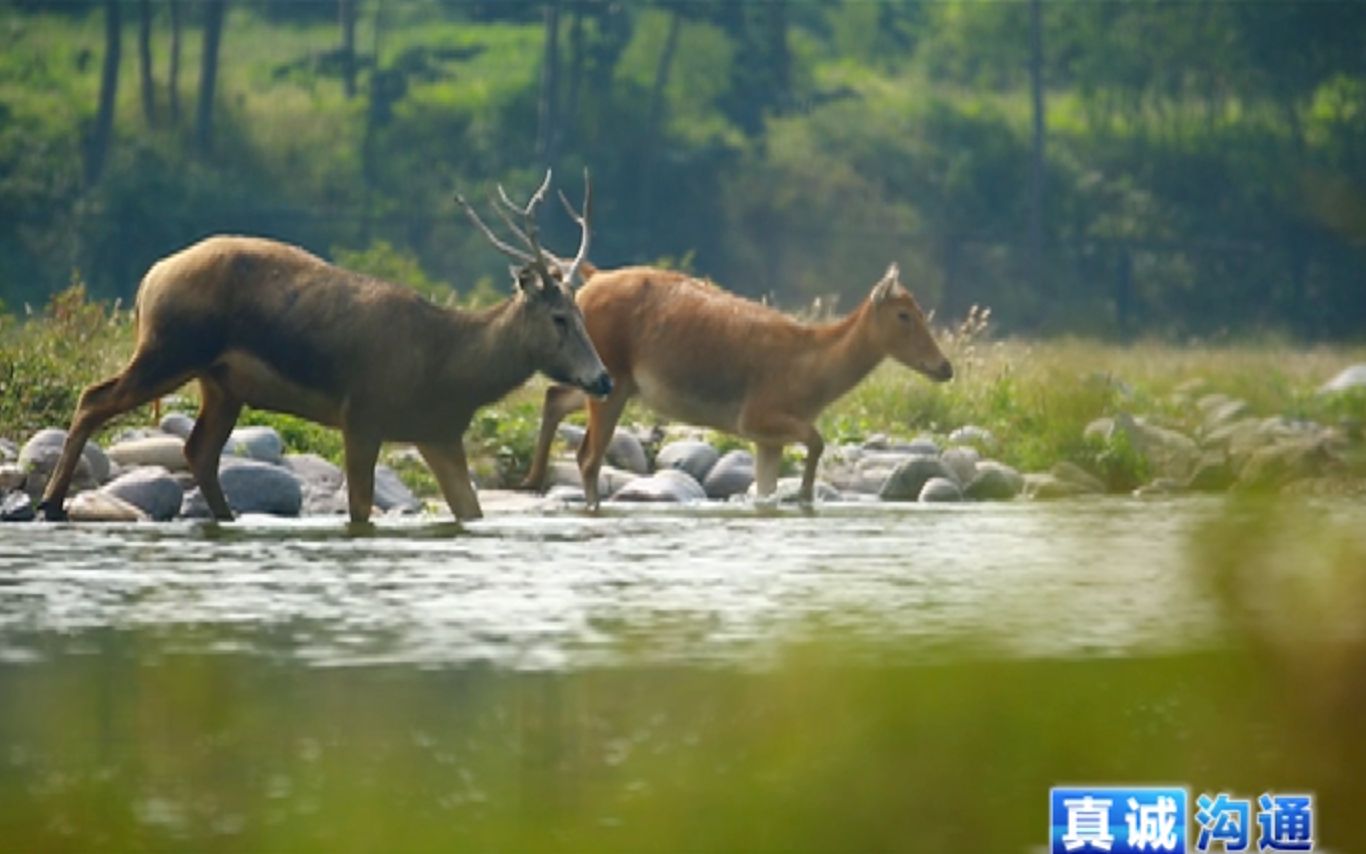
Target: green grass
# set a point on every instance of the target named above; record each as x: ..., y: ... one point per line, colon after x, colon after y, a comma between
x: 1036, y: 397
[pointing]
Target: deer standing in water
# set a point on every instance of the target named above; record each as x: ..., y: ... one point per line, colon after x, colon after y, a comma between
x: 698, y: 354
x: 269, y: 325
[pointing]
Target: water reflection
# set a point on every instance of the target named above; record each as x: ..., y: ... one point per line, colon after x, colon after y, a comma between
x: 549, y: 591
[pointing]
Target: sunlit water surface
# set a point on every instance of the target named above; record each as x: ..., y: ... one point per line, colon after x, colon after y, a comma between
x: 562, y: 590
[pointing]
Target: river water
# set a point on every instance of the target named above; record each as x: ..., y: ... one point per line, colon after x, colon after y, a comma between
x: 527, y: 589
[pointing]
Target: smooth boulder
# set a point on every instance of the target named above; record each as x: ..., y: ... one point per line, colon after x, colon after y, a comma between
x: 152, y: 490
x: 12, y: 477
x: 392, y: 494
x: 733, y: 474
x: 97, y: 505
x: 909, y: 477
x: 165, y: 451
x: 176, y: 424
x: 625, y: 451
x: 688, y: 455
x: 664, y: 486
x: 256, y: 443
x: 940, y: 490
x: 962, y: 461
x: 251, y: 486
x: 994, y: 481
x: 41, y: 452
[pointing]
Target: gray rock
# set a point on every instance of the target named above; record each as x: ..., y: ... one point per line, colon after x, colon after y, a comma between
x: 177, y: 424
x: 920, y: 445
x: 876, y: 442
x: 625, y: 451
x: 733, y: 474
x: 1070, y: 472
x: 962, y: 462
x: 788, y: 491
x: 133, y: 434
x: 9, y: 451
x: 256, y: 443
x: 315, y: 472
x: 1286, y: 461
x: 908, y: 478
x: 565, y: 494
x: 665, y: 486
x: 251, y: 486
x: 1212, y: 474
x: 322, y: 503
x: 1346, y: 379
x: 392, y: 494
x: 1167, y: 452
x: 940, y: 489
x: 566, y: 473
x: 99, y: 506
x: 994, y: 481
x: 12, y: 477
x: 971, y: 434
x: 689, y: 455
x: 1043, y: 486
x: 40, y: 454
x: 165, y: 451
x: 152, y: 490
x: 17, y: 507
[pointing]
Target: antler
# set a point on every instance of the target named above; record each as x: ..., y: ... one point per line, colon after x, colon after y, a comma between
x: 582, y: 218
x: 528, y: 233
x: 511, y: 252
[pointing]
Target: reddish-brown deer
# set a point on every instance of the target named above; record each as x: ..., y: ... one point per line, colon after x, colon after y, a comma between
x: 698, y: 354
x: 269, y: 325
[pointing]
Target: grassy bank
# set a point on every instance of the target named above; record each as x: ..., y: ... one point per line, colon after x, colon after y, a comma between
x: 1036, y: 397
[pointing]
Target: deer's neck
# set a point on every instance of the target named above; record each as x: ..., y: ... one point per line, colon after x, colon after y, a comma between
x: 488, y: 356
x: 843, y: 353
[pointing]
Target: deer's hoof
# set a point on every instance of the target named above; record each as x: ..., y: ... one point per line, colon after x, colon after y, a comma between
x: 51, y: 511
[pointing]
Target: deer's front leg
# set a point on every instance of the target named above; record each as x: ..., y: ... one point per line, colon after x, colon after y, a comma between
x: 362, y: 452
x: 448, y: 464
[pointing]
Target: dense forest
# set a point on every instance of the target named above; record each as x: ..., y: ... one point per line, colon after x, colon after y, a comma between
x: 1117, y: 169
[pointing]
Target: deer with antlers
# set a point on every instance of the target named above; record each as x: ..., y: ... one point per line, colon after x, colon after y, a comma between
x: 698, y: 354
x: 268, y: 325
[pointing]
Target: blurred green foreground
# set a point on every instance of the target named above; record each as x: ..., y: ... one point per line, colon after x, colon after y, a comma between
x: 116, y: 742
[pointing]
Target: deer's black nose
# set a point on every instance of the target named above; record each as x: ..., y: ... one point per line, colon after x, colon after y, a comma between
x: 600, y: 387
x: 944, y: 372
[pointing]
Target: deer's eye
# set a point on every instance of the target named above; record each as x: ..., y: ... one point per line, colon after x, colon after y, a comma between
x: 903, y: 316
x: 561, y: 323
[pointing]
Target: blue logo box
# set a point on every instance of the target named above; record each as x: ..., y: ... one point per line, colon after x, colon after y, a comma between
x: 1118, y: 820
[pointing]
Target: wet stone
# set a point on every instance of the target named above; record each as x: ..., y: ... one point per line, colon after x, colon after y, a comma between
x: 165, y: 451
x: 908, y: 478
x: 176, y: 424
x: 256, y: 443
x: 994, y: 481
x: 17, y: 507
x: 939, y: 490
x: 664, y: 486
x: 733, y: 474
x: 689, y: 455
x: 152, y: 490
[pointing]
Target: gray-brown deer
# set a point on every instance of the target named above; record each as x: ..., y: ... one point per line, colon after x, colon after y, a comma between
x: 269, y: 325
x: 698, y: 354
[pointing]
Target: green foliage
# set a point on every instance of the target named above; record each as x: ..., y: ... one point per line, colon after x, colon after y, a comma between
x: 383, y: 261
x: 300, y: 435
x: 506, y: 432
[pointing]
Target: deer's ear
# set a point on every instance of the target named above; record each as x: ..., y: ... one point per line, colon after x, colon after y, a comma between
x: 887, y: 285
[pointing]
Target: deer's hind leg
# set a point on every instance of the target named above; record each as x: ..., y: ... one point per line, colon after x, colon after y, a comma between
x: 452, y: 472
x: 218, y: 411
x: 149, y: 375
x: 560, y: 400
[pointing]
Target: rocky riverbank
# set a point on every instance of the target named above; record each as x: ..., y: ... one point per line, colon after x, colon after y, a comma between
x: 142, y: 475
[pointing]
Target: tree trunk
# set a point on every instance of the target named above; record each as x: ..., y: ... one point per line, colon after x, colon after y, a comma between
x: 571, y: 107
x: 654, y: 120
x: 1036, y: 172
x: 98, y: 144
x: 149, y: 92
x: 346, y: 10
x: 208, y: 73
x: 173, y: 73
x: 548, y: 107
